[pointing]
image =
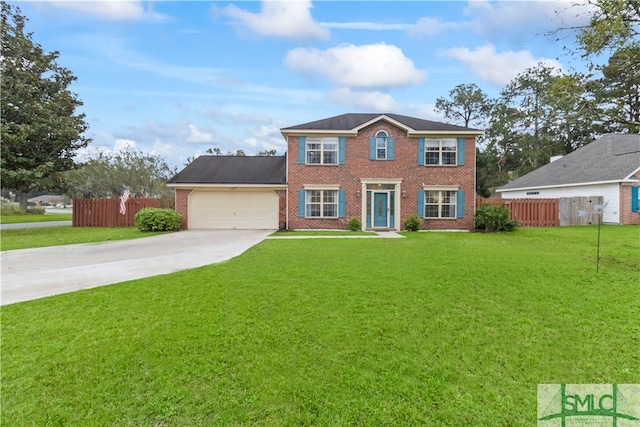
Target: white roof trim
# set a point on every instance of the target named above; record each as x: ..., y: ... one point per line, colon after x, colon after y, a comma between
x: 303, y: 132
x: 321, y: 186
x: 441, y: 187
x: 444, y: 133
x: 381, y: 180
x: 261, y: 186
x: 388, y: 119
x: 631, y: 174
x: 579, y: 184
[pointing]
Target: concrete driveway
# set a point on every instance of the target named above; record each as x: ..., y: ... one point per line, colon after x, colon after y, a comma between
x: 35, y: 273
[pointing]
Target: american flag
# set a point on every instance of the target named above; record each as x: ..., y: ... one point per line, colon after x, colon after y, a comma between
x: 124, y: 196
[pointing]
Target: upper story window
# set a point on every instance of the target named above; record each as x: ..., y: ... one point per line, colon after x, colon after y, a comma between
x: 440, y: 151
x: 322, y: 150
x: 381, y: 146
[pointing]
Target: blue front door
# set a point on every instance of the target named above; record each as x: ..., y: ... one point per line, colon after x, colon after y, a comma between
x: 380, y: 211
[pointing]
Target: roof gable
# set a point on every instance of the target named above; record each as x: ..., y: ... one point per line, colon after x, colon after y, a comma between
x: 612, y: 157
x: 352, y: 122
x: 256, y: 170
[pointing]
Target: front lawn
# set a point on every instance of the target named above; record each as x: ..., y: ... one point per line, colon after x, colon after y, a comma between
x: 22, y: 238
x: 435, y: 329
x: 21, y: 218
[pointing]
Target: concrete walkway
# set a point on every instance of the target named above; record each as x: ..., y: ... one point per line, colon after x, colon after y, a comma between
x: 28, y: 274
x: 347, y: 235
x: 34, y: 224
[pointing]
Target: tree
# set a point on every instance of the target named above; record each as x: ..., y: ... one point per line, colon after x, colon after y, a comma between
x: 467, y: 104
x: 103, y: 174
x: 41, y: 131
x: 620, y: 89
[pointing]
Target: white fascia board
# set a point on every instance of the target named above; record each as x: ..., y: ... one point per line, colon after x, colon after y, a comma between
x: 445, y: 133
x: 321, y: 186
x: 628, y: 177
x: 579, y: 184
x: 194, y: 186
x: 381, y: 180
x: 307, y: 132
x: 388, y: 119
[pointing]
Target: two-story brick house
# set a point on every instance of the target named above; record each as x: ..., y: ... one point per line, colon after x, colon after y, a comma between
x: 380, y: 168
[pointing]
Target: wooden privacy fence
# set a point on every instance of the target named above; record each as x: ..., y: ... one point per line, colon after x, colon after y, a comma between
x: 106, y: 212
x: 529, y: 212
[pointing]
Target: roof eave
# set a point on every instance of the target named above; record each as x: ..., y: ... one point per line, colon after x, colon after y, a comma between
x: 577, y: 184
x: 224, y: 185
x: 445, y: 132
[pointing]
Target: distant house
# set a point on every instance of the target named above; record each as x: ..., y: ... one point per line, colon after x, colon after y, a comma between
x: 607, y: 167
x: 379, y: 168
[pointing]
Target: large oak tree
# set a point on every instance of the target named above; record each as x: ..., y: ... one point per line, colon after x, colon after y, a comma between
x: 41, y: 130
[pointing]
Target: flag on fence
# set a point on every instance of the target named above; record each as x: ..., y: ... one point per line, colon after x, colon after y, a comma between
x: 124, y: 196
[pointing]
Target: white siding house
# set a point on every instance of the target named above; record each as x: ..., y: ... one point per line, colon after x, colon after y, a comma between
x: 608, y: 167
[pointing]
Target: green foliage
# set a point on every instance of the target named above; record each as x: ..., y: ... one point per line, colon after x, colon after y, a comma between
x: 412, y: 223
x: 355, y: 224
x: 154, y: 219
x: 102, y: 175
x: 467, y: 104
x: 41, y: 131
x: 11, y: 209
x: 494, y: 218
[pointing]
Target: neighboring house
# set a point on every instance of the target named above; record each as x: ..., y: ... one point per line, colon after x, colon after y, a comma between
x: 607, y: 167
x: 379, y: 168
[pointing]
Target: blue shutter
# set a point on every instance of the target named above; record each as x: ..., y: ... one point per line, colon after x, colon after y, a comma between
x: 460, y: 204
x: 634, y: 199
x: 420, y: 203
x: 421, y: 151
x: 372, y: 148
x: 302, y: 146
x: 301, y: 207
x: 460, y: 151
x: 391, y: 148
x: 342, y: 142
x: 341, y: 203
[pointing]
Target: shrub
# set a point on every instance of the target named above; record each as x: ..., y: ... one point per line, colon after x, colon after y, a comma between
x: 412, y: 223
x: 11, y: 209
x: 494, y: 218
x: 355, y: 224
x: 154, y: 219
x: 36, y: 210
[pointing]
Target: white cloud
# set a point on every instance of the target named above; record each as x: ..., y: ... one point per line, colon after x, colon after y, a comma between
x: 123, y: 145
x: 286, y: 19
x: 431, y: 26
x: 365, y: 66
x: 370, y: 26
x: 114, y: 9
x: 363, y: 100
x: 198, y: 136
x: 497, y: 68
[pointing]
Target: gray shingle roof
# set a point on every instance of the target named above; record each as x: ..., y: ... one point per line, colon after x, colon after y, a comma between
x: 233, y: 170
x: 351, y: 121
x: 610, y: 158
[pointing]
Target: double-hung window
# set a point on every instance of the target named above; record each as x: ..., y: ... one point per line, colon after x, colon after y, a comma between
x: 321, y: 203
x: 322, y: 151
x: 441, y: 203
x: 440, y: 151
x: 381, y: 146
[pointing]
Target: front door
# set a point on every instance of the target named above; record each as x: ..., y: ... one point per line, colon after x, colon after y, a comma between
x: 380, y: 210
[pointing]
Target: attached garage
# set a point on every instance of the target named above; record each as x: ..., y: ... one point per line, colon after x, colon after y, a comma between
x: 229, y: 192
x: 233, y: 210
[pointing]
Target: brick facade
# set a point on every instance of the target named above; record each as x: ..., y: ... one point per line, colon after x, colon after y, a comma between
x: 358, y: 166
x: 182, y: 206
x: 626, y: 215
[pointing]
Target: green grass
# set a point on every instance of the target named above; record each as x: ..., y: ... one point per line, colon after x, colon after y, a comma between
x: 23, y: 238
x: 442, y: 329
x: 16, y: 219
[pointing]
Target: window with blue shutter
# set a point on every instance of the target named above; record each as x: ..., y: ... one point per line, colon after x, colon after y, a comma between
x: 341, y: 203
x: 635, y: 196
x: 342, y: 149
x: 390, y: 149
x: 460, y: 204
x: 301, y: 206
x: 420, y: 203
x: 372, y: 148
x: 460, y: 151
x: 421, y: 151
x: 302, y: 145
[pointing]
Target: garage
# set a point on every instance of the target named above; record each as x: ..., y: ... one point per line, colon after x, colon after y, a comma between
x: 232, y: 192
x: 233, y: 210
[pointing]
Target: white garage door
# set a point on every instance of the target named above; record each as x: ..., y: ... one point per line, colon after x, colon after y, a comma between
x: 229, y: 210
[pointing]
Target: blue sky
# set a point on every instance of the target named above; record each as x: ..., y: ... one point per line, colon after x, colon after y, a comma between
x: 177, y: 78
